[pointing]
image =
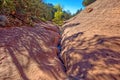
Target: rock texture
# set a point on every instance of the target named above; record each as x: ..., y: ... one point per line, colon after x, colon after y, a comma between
x: 91, y: 42
x: 28, y: 53
x: 90, y: 47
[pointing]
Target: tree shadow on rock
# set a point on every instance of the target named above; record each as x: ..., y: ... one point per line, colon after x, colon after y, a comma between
x: 33, y: 52
x: 96, y: 58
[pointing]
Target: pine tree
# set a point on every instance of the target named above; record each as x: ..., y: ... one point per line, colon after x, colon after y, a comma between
x: 87, y: 2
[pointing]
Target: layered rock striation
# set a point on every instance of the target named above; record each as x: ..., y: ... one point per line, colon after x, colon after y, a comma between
x: 91, y: 42
x: 30, y: 53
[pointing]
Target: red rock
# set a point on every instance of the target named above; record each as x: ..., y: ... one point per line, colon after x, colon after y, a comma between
x: 91, y: 49
x: 30, y: 54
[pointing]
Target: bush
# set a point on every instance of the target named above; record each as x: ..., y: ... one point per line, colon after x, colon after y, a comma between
x: 87, y: 2
x: 58, y: 15
x: 28, y: 10
x: 23, y: 9
x: 6, y: 6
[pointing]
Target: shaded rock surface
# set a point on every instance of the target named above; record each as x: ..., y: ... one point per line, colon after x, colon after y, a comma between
x: 91, y: 42
x: 28, y: 53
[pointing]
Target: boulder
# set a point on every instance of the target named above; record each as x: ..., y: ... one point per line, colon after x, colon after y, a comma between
x: 3, y: 21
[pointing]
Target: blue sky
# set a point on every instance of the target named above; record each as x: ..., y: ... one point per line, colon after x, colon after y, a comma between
x: 71, y: 5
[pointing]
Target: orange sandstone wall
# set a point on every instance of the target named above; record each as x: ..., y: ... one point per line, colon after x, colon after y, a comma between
x: 91, y: 42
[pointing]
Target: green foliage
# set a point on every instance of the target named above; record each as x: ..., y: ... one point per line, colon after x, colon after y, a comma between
x: 6, y: 6
x: 50, y: 11
x: 66, y: 15
x: 58, y: 7
x: 33, y: 7
x: 27, y: 9
x: 58, y: 15
x: 78, y: 11
x: 87, y: 2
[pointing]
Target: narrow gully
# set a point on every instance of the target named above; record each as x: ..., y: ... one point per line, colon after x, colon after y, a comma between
x: 59, y: 46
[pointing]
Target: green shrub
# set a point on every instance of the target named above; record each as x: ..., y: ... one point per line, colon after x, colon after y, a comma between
x: 6, y: 6
x: 58, y: 15
x: 87, y: 2
x: 25, y: 9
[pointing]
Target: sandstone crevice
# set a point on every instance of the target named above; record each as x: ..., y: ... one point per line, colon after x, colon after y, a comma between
x: 30, y: 53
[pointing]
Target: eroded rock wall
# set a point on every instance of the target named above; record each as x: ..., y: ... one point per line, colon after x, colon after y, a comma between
x: 91, y: 42
x: 28, y: 53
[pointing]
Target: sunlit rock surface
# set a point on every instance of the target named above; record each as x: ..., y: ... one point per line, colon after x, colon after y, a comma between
x: 91, y: 42
x: 28, y: 53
